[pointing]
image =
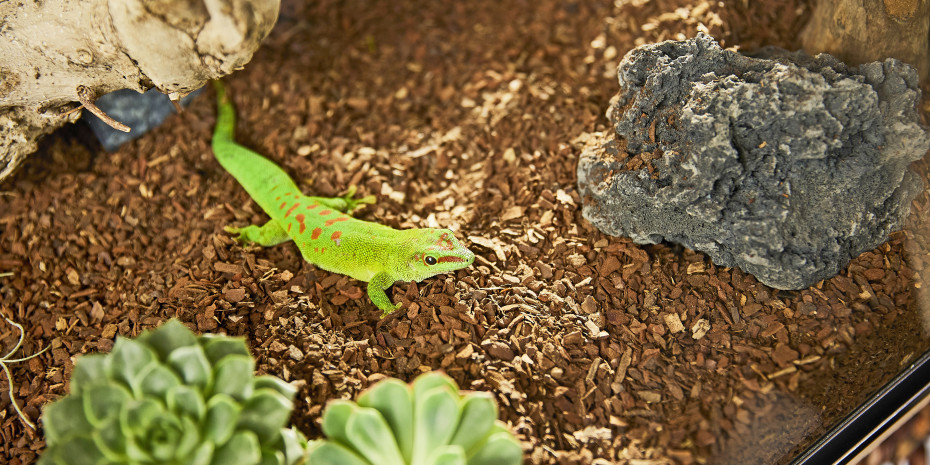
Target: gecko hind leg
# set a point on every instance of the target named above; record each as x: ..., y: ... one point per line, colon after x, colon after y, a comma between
x: 352, y: 203
x: 267, y: 235
x: 346, y: 203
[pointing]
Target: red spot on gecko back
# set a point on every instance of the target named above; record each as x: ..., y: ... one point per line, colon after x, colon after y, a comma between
x: 451, y: 258
x: 288, y: 227
x: 335, y: 236
x: 316, y: 233
x: 445, y: 242
x: 283, y: 204
x: 336, y: 220
x: 311, y: 207
x: 300, y: 219
x: 325, y: 212
x: 292, y: 209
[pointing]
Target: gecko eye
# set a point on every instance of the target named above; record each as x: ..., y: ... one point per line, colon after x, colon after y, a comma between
x: 429, y: 260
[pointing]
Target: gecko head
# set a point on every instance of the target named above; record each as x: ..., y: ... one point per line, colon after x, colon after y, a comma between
x: 428, y: 252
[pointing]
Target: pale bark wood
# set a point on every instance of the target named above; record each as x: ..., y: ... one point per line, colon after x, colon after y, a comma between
x: 862, y: 31
x: 56, y: 51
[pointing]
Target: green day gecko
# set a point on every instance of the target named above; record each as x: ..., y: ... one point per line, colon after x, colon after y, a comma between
x: 322, y: 228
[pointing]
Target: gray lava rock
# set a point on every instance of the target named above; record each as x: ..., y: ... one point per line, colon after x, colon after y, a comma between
x: 785, y: 166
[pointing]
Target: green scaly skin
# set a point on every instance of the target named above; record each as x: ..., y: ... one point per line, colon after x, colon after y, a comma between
x: 322, y: 228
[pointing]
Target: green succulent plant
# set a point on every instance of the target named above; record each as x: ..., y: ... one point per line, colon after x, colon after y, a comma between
x: 427, y: 423
x: 171, y: 397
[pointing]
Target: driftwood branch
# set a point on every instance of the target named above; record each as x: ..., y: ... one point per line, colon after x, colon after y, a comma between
x: 56, y: 55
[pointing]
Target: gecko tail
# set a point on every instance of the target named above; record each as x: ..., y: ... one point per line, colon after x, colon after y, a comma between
x: 225, y: 115
x: 257, y: 174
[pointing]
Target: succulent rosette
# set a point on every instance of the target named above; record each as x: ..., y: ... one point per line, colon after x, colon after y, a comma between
x: 171, y: 397
x: 427, y: 423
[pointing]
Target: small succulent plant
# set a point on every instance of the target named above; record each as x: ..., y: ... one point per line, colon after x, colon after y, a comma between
x: 427, y: 423
x: 171, y: 397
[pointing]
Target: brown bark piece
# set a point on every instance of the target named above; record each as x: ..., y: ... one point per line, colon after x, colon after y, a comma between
x: 85, y: 258
x: 864, y: 31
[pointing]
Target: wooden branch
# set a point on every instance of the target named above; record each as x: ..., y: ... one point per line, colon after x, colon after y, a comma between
x: 55, y: 52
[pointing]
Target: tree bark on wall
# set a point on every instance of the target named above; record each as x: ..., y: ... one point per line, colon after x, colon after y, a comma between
x: 862, y: 31
x: 54, y: 51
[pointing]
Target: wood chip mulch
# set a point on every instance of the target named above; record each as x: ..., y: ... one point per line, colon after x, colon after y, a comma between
x: 463, y: 115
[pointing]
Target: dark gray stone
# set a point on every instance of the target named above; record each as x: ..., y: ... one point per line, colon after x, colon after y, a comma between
x: 141, y: 112
x: 785, y: 166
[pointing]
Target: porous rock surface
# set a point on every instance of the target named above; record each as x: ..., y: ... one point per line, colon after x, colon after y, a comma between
x: 786, y: 165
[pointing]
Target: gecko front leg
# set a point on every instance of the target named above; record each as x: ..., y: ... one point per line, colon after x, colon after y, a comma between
x: 376, y: 286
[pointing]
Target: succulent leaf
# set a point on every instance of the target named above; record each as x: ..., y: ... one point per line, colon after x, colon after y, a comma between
x: 295, y: 445
x: 110, y: 440
x: 501, y: 448
x: 394, y: 400
x: 265, y: 413
x: 170, y: 397
x: 431, y: 380
x: 201, y: 456
x: 168, y: 337
x: 445, y: 427
x: 139, y: 415
x: 128, y: 360
x: 80, y: 451
x: 371, y: 437
x: 478, y: 414
x: 241, y: 449
x: 272, y: 457
x: 219, y: 347
x: 90, y: 370
x: 191, y: 363
x: 276, y: 384
x: 65, y: 418
x: 332, y: 453
x: 166, y: 435
x: 447, y: 455
x: 190, y: 439
x: 222, y: 416
x: 186, y: 400
x: 335, y: 419
x: 158, y: 380
x: 104, y: 402
x: 436, y: 414
x: 233, y: 376
x: 135, y: 452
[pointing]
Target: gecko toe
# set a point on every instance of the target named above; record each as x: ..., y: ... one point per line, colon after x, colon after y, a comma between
x: 238, y: 233
x: 387, y: 311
